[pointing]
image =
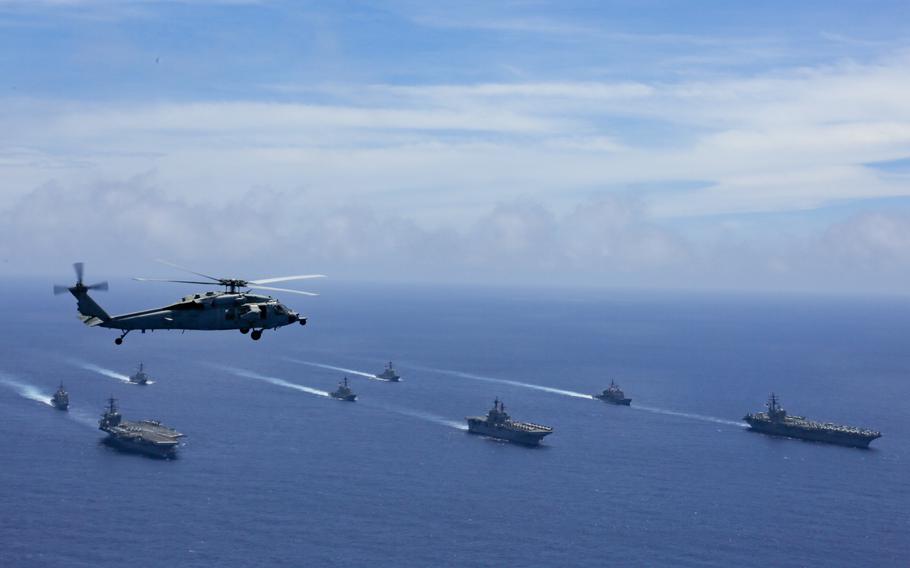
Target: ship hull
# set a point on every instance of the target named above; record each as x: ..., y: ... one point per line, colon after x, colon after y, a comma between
x: 151, y: 450
x: 616, y: 401
x: 828, y: 437
x: 348, y: 398
x: 519, y: 437
x: 61, y: 405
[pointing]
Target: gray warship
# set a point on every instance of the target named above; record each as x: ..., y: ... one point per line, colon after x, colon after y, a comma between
x: 147, y: 437
x: 613, y: 394
x: 140, y: 377
x: 389, y: 374
x: 776, y: 422
x: 344, y: 392
x: 61, y: 399
x: 498, y: 424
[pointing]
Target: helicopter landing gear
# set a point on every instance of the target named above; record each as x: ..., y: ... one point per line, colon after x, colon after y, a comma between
x: 119, y: 340
x: 244, y: 330
x: 257, y: 333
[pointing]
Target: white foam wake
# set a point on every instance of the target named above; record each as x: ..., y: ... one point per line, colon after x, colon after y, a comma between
x: 421, y: 415
x: 273, y: 380
x: 370, y: 376
x: 25, y: 390
x: 543, y: 388
x: 101, y: 371
x: 689, y: 415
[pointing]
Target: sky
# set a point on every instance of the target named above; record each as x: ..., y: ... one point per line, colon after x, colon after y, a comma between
x: 710, y: 145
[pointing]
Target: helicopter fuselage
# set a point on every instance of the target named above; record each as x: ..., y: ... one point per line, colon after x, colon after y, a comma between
x: 210, y: 311
x: 237, y: 307
x: 207, y: 311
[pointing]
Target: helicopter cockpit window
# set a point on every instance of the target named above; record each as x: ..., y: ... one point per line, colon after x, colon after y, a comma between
x: 279, y: 310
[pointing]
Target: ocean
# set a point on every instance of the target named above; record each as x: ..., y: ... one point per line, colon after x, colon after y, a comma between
x: 274, y: 473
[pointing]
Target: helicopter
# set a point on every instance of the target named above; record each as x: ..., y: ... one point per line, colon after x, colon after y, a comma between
x: 236, y: 307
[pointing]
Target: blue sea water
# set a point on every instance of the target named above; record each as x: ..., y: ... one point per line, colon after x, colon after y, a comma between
x: 276, y: 475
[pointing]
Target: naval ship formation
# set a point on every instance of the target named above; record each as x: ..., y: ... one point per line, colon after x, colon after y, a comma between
x: 777, y: 422
x: 147, y: 437
x: 498, y: 424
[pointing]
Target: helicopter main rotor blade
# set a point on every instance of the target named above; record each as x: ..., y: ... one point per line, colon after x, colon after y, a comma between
x: 58, y: 289
x: 102, y: 286
x: 286, y: 278
x: 79, y: 267
x: 256, y: 286
x: 179, y: 281
x: 171, y: 264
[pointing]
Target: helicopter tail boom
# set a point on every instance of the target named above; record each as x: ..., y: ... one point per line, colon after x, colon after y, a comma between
x: 90, y: 312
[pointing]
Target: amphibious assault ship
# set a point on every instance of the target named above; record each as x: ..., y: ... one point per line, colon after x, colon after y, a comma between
x: 498, y: 424
x: 344, y: 392
x: 777, y: 423
x: 61, y: 399
x: 614, y: 395
x: 140, y: 377
x: 389, y: 374
x: 148, y: 437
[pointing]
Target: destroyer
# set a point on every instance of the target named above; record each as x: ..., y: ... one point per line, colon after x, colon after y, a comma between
x: 61, y: 399
x: 389, y: 374
x: 498, y: 424
x: 140, y: 377
x: 613, y: 394
x: 777, y: 423
x: 344, y: 392
x: 148, y: 437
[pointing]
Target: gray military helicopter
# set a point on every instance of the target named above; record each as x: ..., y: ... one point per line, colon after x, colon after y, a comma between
x: 234, y: 308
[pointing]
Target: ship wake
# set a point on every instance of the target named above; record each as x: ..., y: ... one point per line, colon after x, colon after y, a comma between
x: 273, y: 380
x: 421, y: 415
x: 25, y: 390
x: 689, y: 415
x: 484, y: 378
x: 370, y: 376
x: 101, y: 371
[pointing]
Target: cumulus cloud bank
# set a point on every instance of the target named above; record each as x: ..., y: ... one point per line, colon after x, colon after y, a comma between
x: 691, y: 160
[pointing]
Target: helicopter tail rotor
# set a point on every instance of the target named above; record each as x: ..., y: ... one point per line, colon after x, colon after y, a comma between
x: 79, y: 287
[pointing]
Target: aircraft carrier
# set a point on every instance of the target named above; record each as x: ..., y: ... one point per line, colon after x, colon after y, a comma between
x: 777, y: 423
x: 147, y: 437
x: 498, y: 424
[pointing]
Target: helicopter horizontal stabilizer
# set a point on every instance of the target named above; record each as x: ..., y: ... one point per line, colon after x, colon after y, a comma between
x: 91, y: 321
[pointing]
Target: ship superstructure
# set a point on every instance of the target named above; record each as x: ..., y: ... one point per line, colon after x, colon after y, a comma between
x: 613, y: 394
x: 61, y: 399
x: 777, y: 422
x: 344, y: 392
x: 498, y: 424
x: 389, y: 374
x: 148, y: 437
x: 140, y: 377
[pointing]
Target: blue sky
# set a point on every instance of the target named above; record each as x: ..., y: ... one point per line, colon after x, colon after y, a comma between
x: 661, y: 144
